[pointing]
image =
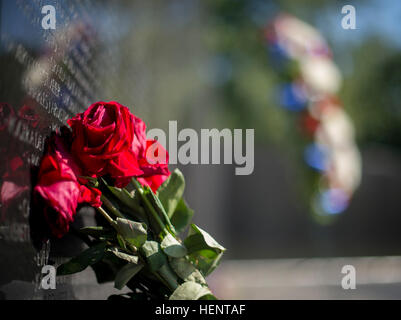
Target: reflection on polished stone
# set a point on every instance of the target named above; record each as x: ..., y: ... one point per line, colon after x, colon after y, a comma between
x: 47, y: 77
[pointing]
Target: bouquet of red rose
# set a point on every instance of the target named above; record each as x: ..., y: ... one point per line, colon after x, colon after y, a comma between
x: 106, y: 162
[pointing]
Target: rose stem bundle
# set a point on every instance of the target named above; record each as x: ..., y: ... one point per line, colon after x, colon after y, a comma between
x: 164, y: 273
x: 146, y: 201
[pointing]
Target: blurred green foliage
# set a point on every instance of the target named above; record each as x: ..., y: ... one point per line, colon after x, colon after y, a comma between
x: 372, y: 93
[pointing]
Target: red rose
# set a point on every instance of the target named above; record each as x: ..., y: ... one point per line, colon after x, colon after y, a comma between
x: 154, y: 165
x: 154, y: 182
x: 152, y: 160
x: 59, y: 187
x: 106, y: 138
x: 155, y: 159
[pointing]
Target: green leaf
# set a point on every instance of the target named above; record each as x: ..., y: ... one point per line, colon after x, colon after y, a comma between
x: 171, y: 191
x: 121, y: 241
x: 86, y: 258
x: 203, y: 239
x: 172, y: 247
x: 186, y: 271
x: 190, y: 290
x: 129, y: 201
x: 205, y: 260
x: 133, y: 232
x: 182, y: 216
x: 125, y: 274
x: 203, y: 250
x: 124, y: 256
x: 154, y: 255
x: 107, y: 268
x: 125, y: 197
x: 158, y: 206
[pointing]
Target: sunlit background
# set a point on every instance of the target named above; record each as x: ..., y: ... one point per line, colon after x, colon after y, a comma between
x: 208, y: 64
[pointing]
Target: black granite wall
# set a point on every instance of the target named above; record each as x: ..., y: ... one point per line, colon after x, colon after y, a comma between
x: 47, y: 75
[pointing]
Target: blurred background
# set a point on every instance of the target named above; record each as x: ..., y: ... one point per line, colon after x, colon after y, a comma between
x: 209, y: 64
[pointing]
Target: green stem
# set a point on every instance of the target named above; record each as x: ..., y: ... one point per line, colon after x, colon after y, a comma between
x: 146, y: 201
x: 133, y: 204
x: 170, y: 225
x: 104, y: 213
x: 166, y: 273
x: 135, y: 207
x: 111, y: 207
x: 138, y: 187
x: 161, y: 279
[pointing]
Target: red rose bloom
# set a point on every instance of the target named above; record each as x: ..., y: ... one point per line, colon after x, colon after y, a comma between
x: 109, y: 140
x: 105, y: 139
x: 151, y: 157
x: 154, y: 182
x: 59, y: 187
x: 154, y: 165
